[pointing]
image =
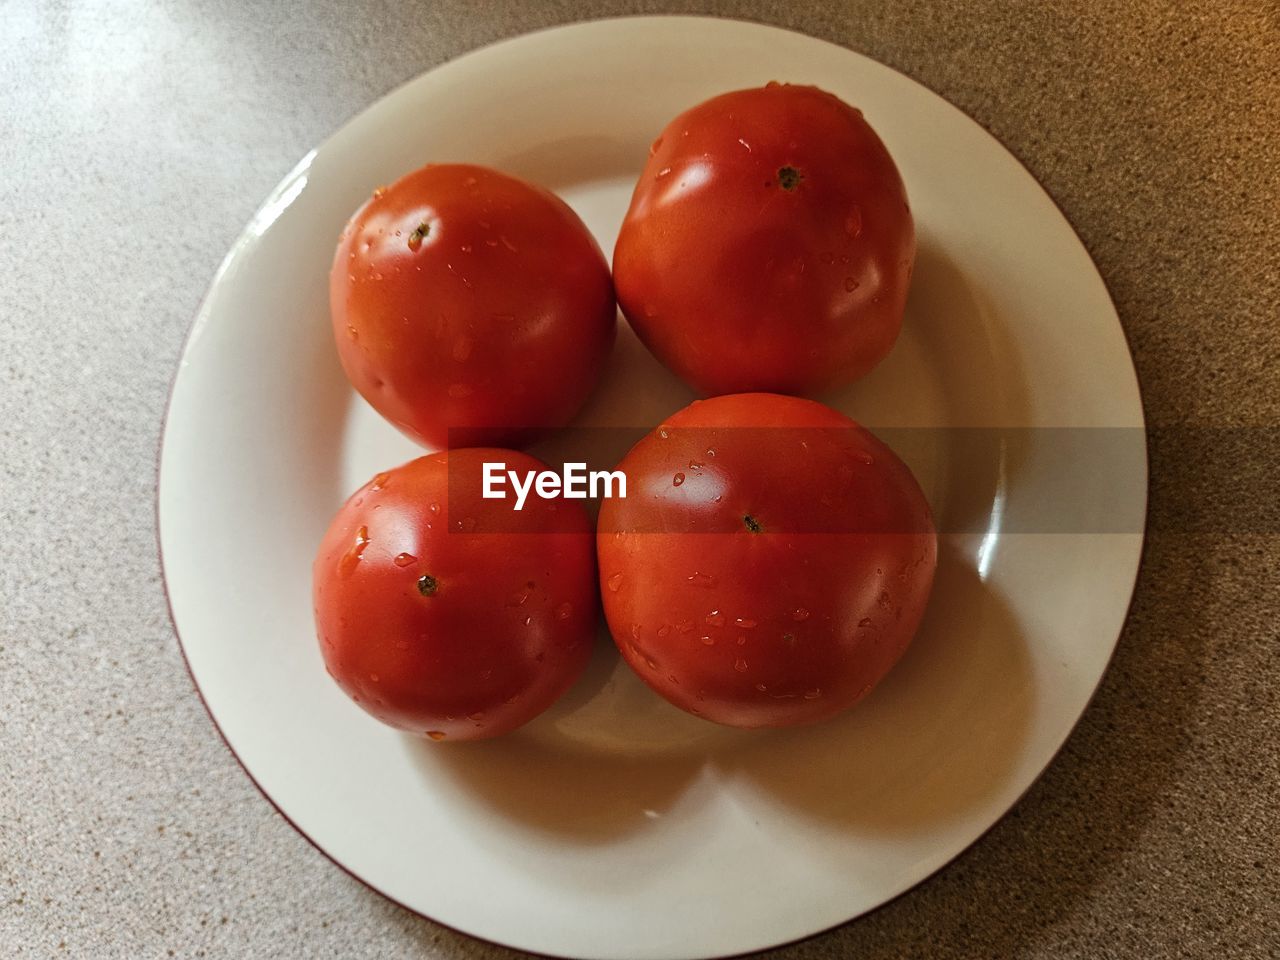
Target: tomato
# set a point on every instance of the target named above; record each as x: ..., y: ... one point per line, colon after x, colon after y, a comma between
x: 446, y: 614
x: 768, y: 245
x: 470, y: 307
x: 770, y: 563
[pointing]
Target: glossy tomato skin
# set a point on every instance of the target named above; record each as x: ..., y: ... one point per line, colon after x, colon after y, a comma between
x: 471, y: 308
x: 768, y: 245
x: 449, y: 615
x: 771, y: 561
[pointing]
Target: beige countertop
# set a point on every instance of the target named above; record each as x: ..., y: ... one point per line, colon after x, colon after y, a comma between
x: 137, y: 138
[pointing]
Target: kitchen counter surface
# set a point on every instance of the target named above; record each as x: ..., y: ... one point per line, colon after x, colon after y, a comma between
x: 137, y: 138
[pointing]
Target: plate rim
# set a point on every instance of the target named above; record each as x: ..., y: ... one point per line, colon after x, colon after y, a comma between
x: 199, y: 317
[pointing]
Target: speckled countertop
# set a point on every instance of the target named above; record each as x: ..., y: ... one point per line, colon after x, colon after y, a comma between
x: 136, y: 138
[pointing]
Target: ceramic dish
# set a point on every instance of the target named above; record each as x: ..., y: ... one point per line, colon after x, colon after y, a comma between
x: 616, y: 826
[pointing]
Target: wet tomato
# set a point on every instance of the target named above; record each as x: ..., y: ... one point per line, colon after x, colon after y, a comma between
x: 771, y: 561
x: 450, y: 615
x: 768, y: 245
x: 470, y: 308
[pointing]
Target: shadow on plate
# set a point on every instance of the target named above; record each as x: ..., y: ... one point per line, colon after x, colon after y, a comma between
x: 936, y: 738
x: 605, y: 761
x: 967, y: 461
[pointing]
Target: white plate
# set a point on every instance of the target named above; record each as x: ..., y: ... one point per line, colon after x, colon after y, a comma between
x: 616, y: 826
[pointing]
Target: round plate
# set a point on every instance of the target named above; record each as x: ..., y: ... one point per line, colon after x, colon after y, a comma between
x: 616, y: 826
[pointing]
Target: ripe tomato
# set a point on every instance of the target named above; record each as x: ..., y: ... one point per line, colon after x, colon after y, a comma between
x: 467, y: 299
x: 764, y: 575
x: 449, y: 615
x: 768, y: 245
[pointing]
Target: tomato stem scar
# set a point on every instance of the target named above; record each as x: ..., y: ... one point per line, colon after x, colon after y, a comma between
x: 427, y: 585
x: 752, y: 523
x: 789, y: 178
x: 421, y: 233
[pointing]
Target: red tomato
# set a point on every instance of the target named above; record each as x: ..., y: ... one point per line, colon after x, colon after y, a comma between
x: 768, y: 245
x: 467, y: 299
x: 764, y: 575
x: 449, y: 615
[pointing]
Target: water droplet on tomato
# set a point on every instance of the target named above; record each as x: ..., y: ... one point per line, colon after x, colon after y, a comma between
x: 436, y: 734
x: 615, y: 582
x: 864, y: 622
x: 684, y: 626
x: 715, y: 619
x: 404, y: 559
x: 663, y: 630
x: 740, y: 665
x: 707, y: 640
x: 744, y: 623
x: 812, y: 694
x: 434, y: 508
x: 379, y: 193
x: 701, y: 579
x: 653, y: 147
x: 564, y: 611
x: 518, y: 599
x: 662, y: 173
x: 677, y: 479
x: 353, y: 333
x: 347, y: 565
x: 799, y: 613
